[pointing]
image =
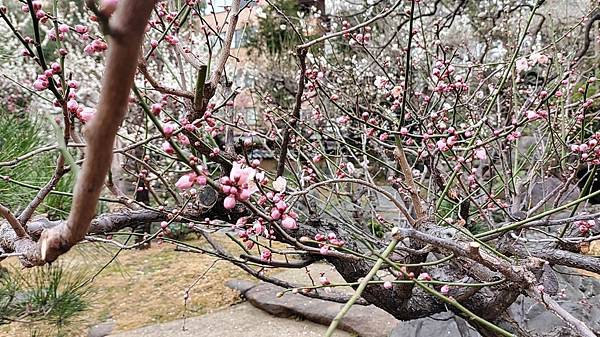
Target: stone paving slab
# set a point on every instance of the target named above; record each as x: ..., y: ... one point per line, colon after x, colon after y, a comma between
x: 241, y: 320
x: 365, y: 321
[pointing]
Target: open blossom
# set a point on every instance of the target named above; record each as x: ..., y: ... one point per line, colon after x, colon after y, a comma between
x: 539, y: 58
x: 87, y: 114
x: 381, y: 82
x: 521, y: 65
x: 396, y: 91
x: 96, y: 46
x: 188, y: 180
x: 239, y: 185
x: 280, y: 184
x: 480, y: 153
x: 265, y: 255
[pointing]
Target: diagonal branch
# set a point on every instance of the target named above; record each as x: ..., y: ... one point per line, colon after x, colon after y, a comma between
x: 224, y: 54
x: 127, y: 27
x: 559, y: 311
x: 14, y: 223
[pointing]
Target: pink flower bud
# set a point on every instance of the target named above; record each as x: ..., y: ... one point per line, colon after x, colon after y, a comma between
x: 229, y: 202
x: 281, y: 205
x: 244, y: 194
x: 168, y: 129
x: 87, y: 114
x: 166, y: 146
x: 275, y: 214
x: 81, y: 29
x: 265, y: 255
x: 107, y: 7
x: 63, y: 28
x: 37, y: 5
x: 72, y: 106
x: 156, y: 108
x: 387, y: 285
x: 289, y: 223
x: 425, y: 277
x: 324, y: 250
x: 185, y: 181
x: 201, y: 180
x: 40, y: 85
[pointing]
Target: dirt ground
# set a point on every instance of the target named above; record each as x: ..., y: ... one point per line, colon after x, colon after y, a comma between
x: 144, y: 287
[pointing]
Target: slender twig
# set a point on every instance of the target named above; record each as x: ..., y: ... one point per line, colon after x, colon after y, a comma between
x: 225, y: 49
x: 358, y: 292
x: 351, y: 29
x: 546, y: 300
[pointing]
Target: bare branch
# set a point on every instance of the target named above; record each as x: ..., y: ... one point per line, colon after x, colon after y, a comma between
x: 127, y: 28
x: 14, y: 222
x: 225, y: 49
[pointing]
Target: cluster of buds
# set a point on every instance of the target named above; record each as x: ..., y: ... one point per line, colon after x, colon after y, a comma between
x: 37, y: 9
x: 96, y: 46
x: 445, y: 144
x: 314, y: 74
x: 585, y: 225
x: 308, y: 174
x: 442, y: 71
x: 257, y: 228
x: 326, y: 242
x: 211, y: 125
x: 188, y: 180
x: 533, y: 115
x: 240, y: 184
x: 172, y: 39
x: 62, y: 30
x: 361, y: 38
x: 513, y: 136
x: 590, y: 150
x: 281, y: 211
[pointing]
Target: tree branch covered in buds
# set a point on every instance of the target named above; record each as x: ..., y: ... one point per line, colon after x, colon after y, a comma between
x: 441, y: 157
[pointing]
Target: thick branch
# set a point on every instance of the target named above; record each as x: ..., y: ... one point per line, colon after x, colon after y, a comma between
x: 127, y: 29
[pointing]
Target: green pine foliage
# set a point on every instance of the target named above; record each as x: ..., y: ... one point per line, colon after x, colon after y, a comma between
x: 44, y: 298
x: 19, y: 136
